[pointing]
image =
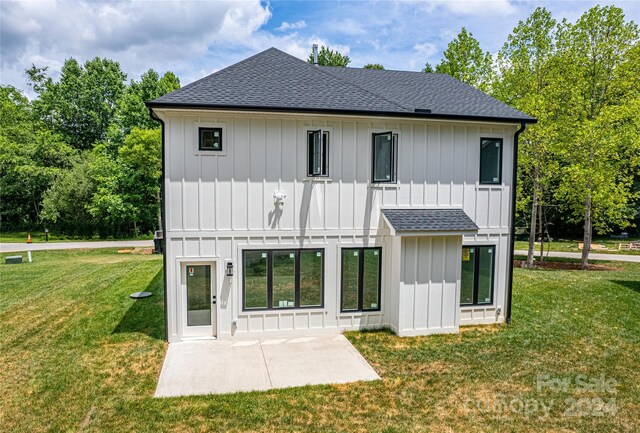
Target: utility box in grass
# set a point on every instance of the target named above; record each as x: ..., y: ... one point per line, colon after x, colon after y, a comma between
x: 13, y: 260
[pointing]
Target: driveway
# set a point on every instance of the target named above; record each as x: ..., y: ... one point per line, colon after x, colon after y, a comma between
x: 226, y: 366
x: 21, y: 247
x: 592, y: 256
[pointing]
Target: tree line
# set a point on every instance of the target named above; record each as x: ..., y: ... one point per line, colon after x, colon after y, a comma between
x: 83, y: 157
x: 579, y: 166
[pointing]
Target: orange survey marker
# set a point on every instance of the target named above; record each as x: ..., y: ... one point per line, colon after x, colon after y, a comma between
x: 29, y: 238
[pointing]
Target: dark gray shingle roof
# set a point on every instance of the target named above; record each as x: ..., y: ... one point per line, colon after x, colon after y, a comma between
x: 274, y: 80
x: 429, y: 220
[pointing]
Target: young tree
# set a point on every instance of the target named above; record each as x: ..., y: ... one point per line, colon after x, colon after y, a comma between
x: 465, y: 60
x: 428, y: 69
x: 373, y: 66
x: 328, y: 57
x: 594, y: 179
x: 525, y: 74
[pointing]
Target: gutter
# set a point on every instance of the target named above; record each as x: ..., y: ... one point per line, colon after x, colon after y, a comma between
x: 514, y: 185
x: 164, y: 225
x: 417, y: 114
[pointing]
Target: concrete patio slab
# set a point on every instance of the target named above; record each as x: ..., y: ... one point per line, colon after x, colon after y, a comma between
x: 226, y: 366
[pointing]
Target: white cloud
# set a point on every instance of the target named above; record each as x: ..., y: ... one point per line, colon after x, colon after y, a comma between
x: 292, y: 26
x: 474, y: 7
x: 138, y: 34
x: 426, y: 49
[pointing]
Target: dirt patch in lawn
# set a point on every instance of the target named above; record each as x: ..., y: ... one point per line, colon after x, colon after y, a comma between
x: 564, y: 266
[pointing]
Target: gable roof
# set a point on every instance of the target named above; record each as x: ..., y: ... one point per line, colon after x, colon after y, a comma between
x: 276, y: 81
x: 429, y: 220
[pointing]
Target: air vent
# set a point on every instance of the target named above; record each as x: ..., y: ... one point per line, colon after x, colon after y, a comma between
x: 422, y: 110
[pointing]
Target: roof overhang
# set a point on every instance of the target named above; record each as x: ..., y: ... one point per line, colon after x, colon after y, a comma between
x: 428, y: 222
x: 363, y: 113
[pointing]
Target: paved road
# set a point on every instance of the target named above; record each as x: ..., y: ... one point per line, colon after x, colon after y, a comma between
x: 592, y: 256
x: 15, y: 247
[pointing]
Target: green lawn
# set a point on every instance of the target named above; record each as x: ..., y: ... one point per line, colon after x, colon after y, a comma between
x: 572, y: 246
x: 38, y: 236
x: 76, y: 354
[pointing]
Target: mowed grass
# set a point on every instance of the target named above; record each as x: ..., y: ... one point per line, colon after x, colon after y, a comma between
x: 76, y: 354
x: 40, y: 237
x: 611, y: 246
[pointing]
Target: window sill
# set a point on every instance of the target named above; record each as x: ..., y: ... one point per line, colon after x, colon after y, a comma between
x: 359, y: 313
x: 489, y: 186
x: 283, y: 310
x: 210, y: 153
x: 317, y: 179
x: 383, y: 186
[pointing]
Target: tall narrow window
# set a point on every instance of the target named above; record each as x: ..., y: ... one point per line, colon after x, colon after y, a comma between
x: 384, y: 157
x: 318, y: 153
x: 491, y: 160
x: 360, y: 290
x: 277, y: 279
x: 477, y: 278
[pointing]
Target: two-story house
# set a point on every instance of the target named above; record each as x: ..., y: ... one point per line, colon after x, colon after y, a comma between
x: 300, y: 198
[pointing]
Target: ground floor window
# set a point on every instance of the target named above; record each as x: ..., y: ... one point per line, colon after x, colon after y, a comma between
x: 278, y: 279
x: 477, y: 277
x: 360, y: 288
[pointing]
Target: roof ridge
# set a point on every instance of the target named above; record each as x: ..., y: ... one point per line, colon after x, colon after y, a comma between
x: 396, y: 103
x: 193, y: 83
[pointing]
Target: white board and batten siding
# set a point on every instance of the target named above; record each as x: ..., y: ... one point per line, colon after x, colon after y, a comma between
x: 216, y: 206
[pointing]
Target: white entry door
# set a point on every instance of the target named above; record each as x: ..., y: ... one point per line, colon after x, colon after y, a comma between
x: 198, y: 300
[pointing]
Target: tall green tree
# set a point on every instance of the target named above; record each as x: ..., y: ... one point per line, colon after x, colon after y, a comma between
x: 81, y: 104
x: 132, y: 113
x: 526, y: 72
x: 595, y: 183
x: 328, y: 57
x: 31, y: 156
x: 373, y: 66
x: 465, y: 60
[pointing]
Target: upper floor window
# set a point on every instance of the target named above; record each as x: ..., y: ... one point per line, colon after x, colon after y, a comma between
x: 385, y: 150
x: 491, y: 160
x: 317, y: 153
x: 210, y: 139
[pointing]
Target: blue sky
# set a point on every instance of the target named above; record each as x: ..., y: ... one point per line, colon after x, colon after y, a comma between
x: 195, y: 38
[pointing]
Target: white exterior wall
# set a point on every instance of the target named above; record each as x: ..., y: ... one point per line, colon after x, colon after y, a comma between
x: 218, y: 205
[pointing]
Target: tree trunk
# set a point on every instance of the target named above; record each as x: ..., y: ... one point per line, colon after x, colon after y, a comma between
x: 586, y: 242
x: 532, y: 230
x: 541, y: 232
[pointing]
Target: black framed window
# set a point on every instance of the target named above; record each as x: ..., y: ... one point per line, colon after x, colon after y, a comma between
x: 210, y: 139
x: 477, y: 275
x: 318, y: 153
x: 491, y: 160
x: 280, y: 279
x: 360, y: 287
x: 385, y: 150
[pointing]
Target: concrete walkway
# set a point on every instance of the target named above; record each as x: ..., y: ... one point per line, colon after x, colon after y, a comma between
x: 592, y: 256
x: 21, y: 247
x: 226, y: 366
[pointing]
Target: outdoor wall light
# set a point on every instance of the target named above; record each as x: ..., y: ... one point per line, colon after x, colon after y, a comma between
x: 229, y: 269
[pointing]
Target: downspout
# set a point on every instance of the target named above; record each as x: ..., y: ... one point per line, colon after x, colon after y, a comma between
x: 514, y: 187
x: 164, y: 225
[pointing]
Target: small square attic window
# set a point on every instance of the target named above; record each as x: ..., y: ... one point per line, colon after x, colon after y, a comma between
x: 210, y: 139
